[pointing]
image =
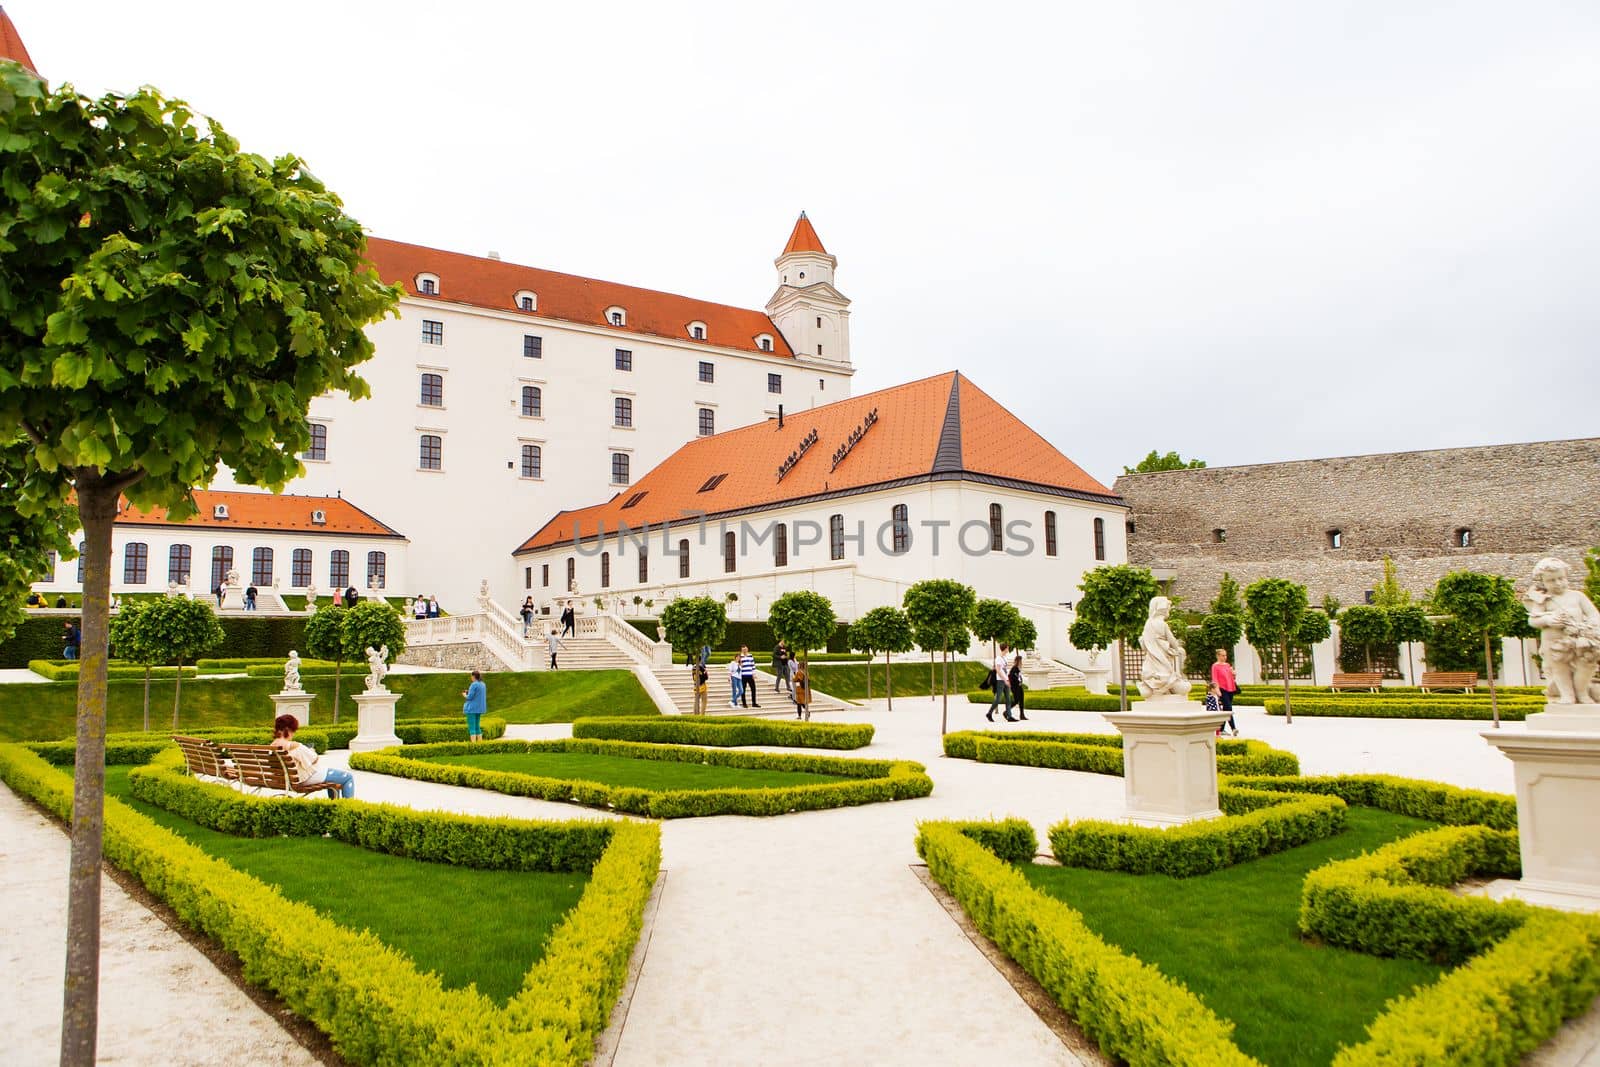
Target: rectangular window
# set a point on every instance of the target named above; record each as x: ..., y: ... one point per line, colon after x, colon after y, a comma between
x: 605, y: 570
x: 1049, y: 533
x: 708, y: 422
x: 432, y: 391
x: 780, y: 546
x: 1099, y: 539
x: 339, y: 569
x: 135, y: 563
x: 619, y: 468
x: 527, y: 575
x: 624, y: 359
x: 683, y: 558
x: 532, y: 347
x: 532, y: 461
x: 708, y: 372
x: 319, y: 442
x: 902, y: 528
x: 432, y: 332
x: 730, y: 552
x: 300, y: 568
x: 261, y: 567
x: 221, y: 564
x: 544, y: 575
x: 432, y: 453
x: 377, y: 570
x: 180, y: 558
x: 622, y: 411
x: 644, y: 566
x: 81, y: 546
x: 532, y: 402
x: 774, y: 383
x: 836, y: 537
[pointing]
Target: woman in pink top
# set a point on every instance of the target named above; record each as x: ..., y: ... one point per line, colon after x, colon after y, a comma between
x: 1227, y: 686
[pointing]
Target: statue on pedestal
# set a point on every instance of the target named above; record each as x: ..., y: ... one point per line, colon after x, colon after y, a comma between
x: 232, y: 580
x: 291, y: 673
x: 1569, y: 633
x: 483, y: 592
x: 174, y: 589
x: 1162, y: 672
x: 377, y: 669
x: 311, y: 597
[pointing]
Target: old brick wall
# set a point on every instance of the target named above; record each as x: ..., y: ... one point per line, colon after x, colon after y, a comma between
x: 1521, y: 503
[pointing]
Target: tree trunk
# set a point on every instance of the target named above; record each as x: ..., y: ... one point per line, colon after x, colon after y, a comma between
x: 944, y: 716
x: 338, y: 668
x: 80, y: 1002
x: 1488, y: 664
x: 1368, y: 650
x: 177, y: 692
x: 1411, y: 667
x: 933, y: 686
x: 147, y: 698
x: 888, y: 680
x: 1288, y: 712
x: 1122, y: 675
x: 869, y: 676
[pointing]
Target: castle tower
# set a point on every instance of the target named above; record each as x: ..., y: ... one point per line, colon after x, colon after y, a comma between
x: 813, y: 315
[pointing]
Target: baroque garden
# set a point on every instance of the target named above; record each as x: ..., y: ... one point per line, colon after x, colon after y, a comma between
x: 1384, y: 850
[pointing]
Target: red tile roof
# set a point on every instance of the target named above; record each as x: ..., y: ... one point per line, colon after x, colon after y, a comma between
x: 266, y: 512
x: 492, y: 283
x: 804, y: 238
x: 11, y: 46
x: 940, y: 427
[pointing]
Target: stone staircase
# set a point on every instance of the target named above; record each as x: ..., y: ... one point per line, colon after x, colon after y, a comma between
x: 586, y: 652
x: 1059, y: 674
x: 678, y: 683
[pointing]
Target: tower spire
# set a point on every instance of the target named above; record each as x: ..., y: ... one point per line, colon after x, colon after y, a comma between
x: 11, y: 46
x: 804, y: 238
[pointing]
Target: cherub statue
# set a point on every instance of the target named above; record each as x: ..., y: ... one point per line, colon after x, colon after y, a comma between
x: 233, y: 577
x: 291, y: 673
x: 377, y: 668
x: 1569, y: 633
x: 1162, y: 673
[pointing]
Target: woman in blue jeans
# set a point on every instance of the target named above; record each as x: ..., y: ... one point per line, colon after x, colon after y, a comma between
x: 304, y: 758
x: 476, y: 696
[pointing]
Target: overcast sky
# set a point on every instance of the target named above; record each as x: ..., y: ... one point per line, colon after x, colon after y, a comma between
x: 1246, y: 231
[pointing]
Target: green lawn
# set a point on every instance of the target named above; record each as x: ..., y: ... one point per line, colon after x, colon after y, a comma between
x: 45, y: 711
x: 640, y: 773
x: 468, y: 925
x: 848, y: 681
x: 1231, y: 938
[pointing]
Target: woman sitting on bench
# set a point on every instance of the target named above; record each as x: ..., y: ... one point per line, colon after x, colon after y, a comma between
x: 304, y: 758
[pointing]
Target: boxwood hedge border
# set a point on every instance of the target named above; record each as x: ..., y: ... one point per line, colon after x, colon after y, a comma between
x: 1101, y: 753
x: 728, y: 732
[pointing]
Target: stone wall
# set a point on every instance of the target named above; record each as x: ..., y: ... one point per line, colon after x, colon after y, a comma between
x: 464, y: 656
x: 1521, y: 502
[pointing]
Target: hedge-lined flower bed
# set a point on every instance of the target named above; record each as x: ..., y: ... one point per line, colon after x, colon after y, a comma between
x: 1101, y: 753
x: 240, y: 664
x: 68, y: 671
x: 730, y: 732
x: 123, y: 749
x: 1435, y: 801
x: 1068, y: 699
x: 1512, y: 709
x: 871, y: 781
x: 370, y: 1000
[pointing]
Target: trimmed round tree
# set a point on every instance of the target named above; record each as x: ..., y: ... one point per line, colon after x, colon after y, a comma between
x: 1084, y: 634
x: 174, y: 629
x: 1315, y: 628
x: 324, y: 639
x: 693, y: 623
x: 128, y: 642
x: 1222, y: 630
x: 993, y: 621
x: 1024, y: 636
x: 1366, y: 625
x: 1483, y: 604
x: 803, y: 620
x: 940, y: 609
x: 174, y: 305
x: 1409, y: 624
x: 886, y: 630
x: 1274, y: 608
x: 372, y: 624
x: 1116, y: 602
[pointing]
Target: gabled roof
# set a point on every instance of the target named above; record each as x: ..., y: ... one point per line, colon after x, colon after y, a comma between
x: 493, y: 283
x: 11, y: 46
x: 939, y: 428
x: 265, y: 512
x: 804, y: 238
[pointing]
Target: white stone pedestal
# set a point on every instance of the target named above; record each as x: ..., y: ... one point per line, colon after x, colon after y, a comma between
x: 375, y: 721
x: 296, y: 702
x: 1169, y: 760
x: 232, y: 598
x: 1557, y: 762
x: 1094, y: 678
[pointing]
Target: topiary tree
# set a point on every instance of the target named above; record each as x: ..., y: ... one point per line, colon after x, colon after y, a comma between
x: 1083, y: 633
x: 1516, y: 625
x: 1366, y: 625
x: 886, y: 630
x: 803, y: 620
x: 930, y: 641
x: 324, y: 639
x: 128, y: 633
x: 693, y: 623
x: 1408, y: 625
x: 1024, y: 636
x: 1222, y: 630
x: 1274, y: 608
x: 993, y: 621
x: 173, y: 629
x: 371, y: 624
x: 1481, y: 603
x: 174, y: 304
x: 1116, y: 602
x: 1315, y: 628
x: 940, y: 609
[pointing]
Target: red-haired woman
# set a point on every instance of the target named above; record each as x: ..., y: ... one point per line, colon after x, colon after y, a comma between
x: 304, y: 758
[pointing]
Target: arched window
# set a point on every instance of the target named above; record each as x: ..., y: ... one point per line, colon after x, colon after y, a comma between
x: 432, y: 391
x: 180, y: 559
x: 135, y: 563
x: 431, y: 453
x: 836, y: 537
x: 619, y: 468
x: 644, y: 566
x: 683, y: 558
x: 622, y: 411
x: 532, y: 461
x: 339, y: 569
x: 1099, y: 539
x: 532, y: 402
x: 997, y: 533
x: 261, y: 566
x: 708, y: 422
x: 427, y: 284
x: 221, y: 563
x: 1050, y: 532
x: 730, y: 552
x: 901, y: 522
x: 300, y: 568
x: 377, y: 570
x: 319, y: 442
x: 572, y: 573
x: 780, y: 546
x: 605, y: 570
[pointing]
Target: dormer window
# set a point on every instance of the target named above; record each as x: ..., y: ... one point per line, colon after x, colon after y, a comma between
x: 617, y: 316
x: 319, y: 518
x: 525, y: 300
x: 764, y: 342
x: 219, y: 511
x: 428, y: 284
x: 697, y: 330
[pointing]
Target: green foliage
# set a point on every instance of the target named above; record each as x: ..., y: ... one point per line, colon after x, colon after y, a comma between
x: 1013, y: 840
x: 1025, y: 635
x: 255, y: 636
x: 694, y: 622
x: 1315, y: 627
x: 748, y: 632
x: 848, y: 681
x: 1591, y: 580
x: 1222, y: 630
x: 1255, y: 824
x: 1415, y: 797
x: 68, y: 672
x: 1365, y: 626
x: 1073, y: 698
x: 34, y: 523
x: 1116, y: 600
x: 1410, y: 623
x: 1389, y: 594
x: 128, y: 637
x: 1371, y: 706
x: 1170, y: 461
x: 175, y: 628
x: 728, y: 732
x: 373, y: 624
x: 803, y: 620
x: 871, y: 781
x: 1084, y: 634
x: 994, y: 620
x: 1227, y: 601
x: 1134, y: 1012
x: 1100, y: 753
x: 1273, y: 610
x: 1455, y: 646
x: 1481, y: 603
x: 325, y: 635
x: 885, y: 629
x: 940, y: 610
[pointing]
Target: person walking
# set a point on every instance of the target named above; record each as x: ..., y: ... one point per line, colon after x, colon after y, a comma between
x: 351, y: 597
x: 304, y: 758
x: 735, y: 683
x: 553, y: 640
x: 569, y: 620
x: 419, y: 608
x: 71, y: 639
x: 1014, y: 678
x: 801, y: 692
x: 1213, y: 702
x: 1227, y: 685
x: 527, y: 616
x: 476, y: 702
x: 781, y: 665
x: 747, y: 676
x: 702, y: 685
x: 250, y: 598
x: 1000, y: 671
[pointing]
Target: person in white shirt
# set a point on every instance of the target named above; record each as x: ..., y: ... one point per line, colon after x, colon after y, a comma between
x: 1002, y: 691
x: 735, y: 683
x: 304, y: 757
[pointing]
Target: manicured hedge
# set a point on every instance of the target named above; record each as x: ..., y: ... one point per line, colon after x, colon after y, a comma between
x: 1068, y: 699
x: 729, y: 732
x: 1013, y: 840
x: 1254, y: 824
x: 258, y: 636
x: 1511, y: 710
x: 240, y: 664
x: 368, y: 998
x: 1101, y: 753
x: 68, y: 671
x: 139, y: 748
x: 121, y: 749
x: 1134, y: 1012
x: 872, y: 780
x: 1417, y: 797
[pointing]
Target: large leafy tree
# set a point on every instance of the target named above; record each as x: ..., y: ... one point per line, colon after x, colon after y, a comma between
x: 1169, y: 461
x: 886, y: 630
x: 1024, y: 636
x: 171, y: 304
x: 994, y: 620
x: 34, y: 523
x: 1274, y: 610
x: 1482, y: 603
x: 692, y: 623
x: 1366, y: 625
x: 940, y: 610
x: 803, y: 620
x: 1116, y: 602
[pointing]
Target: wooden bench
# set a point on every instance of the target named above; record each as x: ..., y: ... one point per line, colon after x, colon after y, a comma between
x: 263, y: 768
x: 204, y: 759
x: 1370, y: 682
x: 1466, y: 681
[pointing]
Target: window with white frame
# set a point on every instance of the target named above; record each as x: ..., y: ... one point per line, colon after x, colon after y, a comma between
x: 261, y: 566
x: 300, y: 568
x: 525, y: 300
x: 432, y: 332
x: 532, y: 346
x: 708, y: 422
x: 432, y: 393
x: 180, y: 563
x: 532, y: 402
x: 622, y: 411
x: 624, y: 359
x: 339, y: 569
x: 135, y: 563
x: 774, y: 383
x: 708, y: 371
x: 532, y: 461
x: 318, y: 449
x: 620, y: 462
x: 377, y: 570
x: 431, y: 452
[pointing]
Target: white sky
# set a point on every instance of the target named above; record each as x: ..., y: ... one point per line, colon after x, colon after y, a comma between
x: 1247, y: 231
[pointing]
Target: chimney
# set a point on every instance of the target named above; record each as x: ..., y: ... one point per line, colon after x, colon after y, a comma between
x: 780, y: 416
x: 493, y: 254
